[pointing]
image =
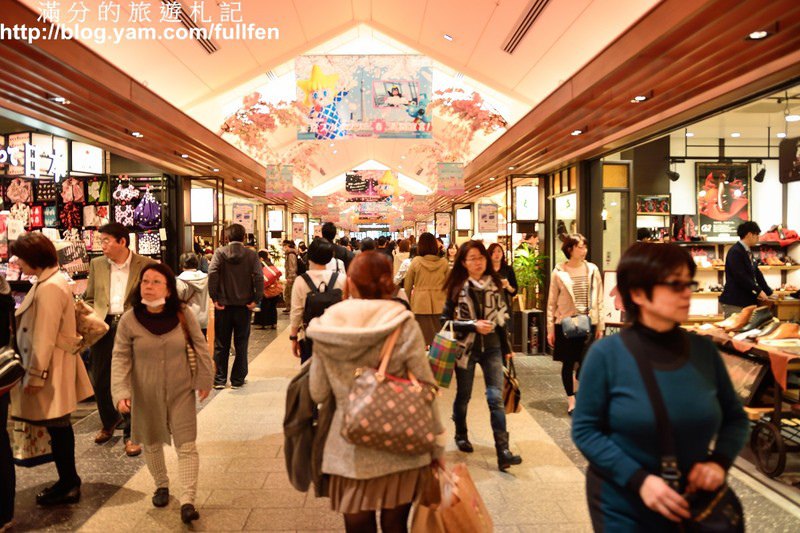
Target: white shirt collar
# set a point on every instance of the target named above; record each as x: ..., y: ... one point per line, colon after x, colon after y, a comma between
x: 745, y: 246
x: 125, y: 264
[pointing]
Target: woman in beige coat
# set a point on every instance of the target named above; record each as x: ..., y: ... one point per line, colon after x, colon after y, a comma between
x: 55, y: 378
x: 576, y: 288
x: 424, y: 285
x: 154, y: 379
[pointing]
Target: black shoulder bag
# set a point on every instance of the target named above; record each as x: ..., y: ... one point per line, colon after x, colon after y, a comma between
x: 718, y: 511
x: 11, y: 368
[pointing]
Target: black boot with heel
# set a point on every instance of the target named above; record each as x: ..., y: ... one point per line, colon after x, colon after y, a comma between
x: 505, y: 458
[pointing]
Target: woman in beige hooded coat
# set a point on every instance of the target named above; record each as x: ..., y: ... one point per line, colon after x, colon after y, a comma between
x: 424, y: 285
x: 55, y: 377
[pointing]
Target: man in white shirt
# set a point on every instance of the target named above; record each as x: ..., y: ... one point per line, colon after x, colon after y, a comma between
x: 113, y: 278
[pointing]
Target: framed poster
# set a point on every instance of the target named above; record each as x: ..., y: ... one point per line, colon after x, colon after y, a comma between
x: 723, y: 198
x: 613, y: 309
x: 298, y: 230
x: 202, y: 206
x: 245, y: 215
x: 487, y: 218
x: 421, y: 228
x: 526, y: 200
x: 464, y: 219
x: 275, y: 219
x: 443, y: 224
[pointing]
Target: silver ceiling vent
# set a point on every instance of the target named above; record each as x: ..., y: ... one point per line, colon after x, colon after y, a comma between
x: 524, y: 24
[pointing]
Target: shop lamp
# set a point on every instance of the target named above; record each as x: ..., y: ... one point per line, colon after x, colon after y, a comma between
x: 672, y: 175
x: 760, y: 175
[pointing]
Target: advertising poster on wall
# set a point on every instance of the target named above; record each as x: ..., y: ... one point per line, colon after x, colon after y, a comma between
x: 421, y: 227
x: 443, y: 224
x: 379, y: 96
x: 279, y: 181
x: 527, y: 203
x: 245, y: 214
x: 450, y: 179
x: 723, y: 198
x: 298, y: 230
x: 487, y: 218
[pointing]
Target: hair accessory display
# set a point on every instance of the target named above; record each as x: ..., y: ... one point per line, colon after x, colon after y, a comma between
x: 125, y: 193
x: 37, y: 216
x: 97, y: 191
x: 147, y: 214
x: 19, y: 191
x: 123, y: 214
x: 45, y: 191
x: 72, y: 190
x: 50, y: 217
x: 101, y: 212
x: 21, y: 212
x: 70, y: 215
x: 148, y: 243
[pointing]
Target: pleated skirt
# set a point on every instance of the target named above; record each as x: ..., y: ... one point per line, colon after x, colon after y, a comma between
x: 386, y: 492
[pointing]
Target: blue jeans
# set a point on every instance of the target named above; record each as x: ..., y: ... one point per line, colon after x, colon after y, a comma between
x: 491, y: 361
x: 233, y: 320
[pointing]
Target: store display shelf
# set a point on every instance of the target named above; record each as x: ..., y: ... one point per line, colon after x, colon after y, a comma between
x: 706, y: 293
x: 711, y: 269
x: 781, y: 267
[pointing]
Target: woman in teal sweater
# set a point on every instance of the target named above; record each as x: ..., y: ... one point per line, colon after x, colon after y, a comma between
x: 614, y: 425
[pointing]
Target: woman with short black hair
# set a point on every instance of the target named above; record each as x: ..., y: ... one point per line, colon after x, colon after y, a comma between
x: 576, y: 288
x: 614, y: 424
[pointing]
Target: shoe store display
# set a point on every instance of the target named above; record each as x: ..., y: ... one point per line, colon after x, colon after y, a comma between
x: 758, y: 318
x: 741, y: 319
x: 771, y: 326
x: 787, y: 330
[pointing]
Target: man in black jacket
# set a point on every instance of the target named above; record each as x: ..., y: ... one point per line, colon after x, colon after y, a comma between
x: 744, y: 282
x: 235, y: 285
x: 339, y: 252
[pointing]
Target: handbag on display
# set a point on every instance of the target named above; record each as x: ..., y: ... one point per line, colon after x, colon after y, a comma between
x: 30, y: 445
x: 444, y: 351
x: 389, y: 413
x: 712, y: 511
x: 512, y: 397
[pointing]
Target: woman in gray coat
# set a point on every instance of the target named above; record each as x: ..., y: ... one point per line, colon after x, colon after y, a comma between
x: 154, y: 378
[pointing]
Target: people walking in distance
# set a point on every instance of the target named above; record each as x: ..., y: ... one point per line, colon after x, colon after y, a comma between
x: 328, y: 231
x: 291, y: 264
x: 110, y: 291
x: 161, y: 361
x: 477, y: 308
x: 576, y: 288
x: 424, y: 282
x: 744, y: 283
x: 403, y: 253
x: 267, y: 317
x: 193, y: 288
x: 236, y: 285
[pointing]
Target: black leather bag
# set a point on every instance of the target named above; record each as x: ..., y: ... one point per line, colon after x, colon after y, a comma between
x: 11, y: 369
x: 718, y: 511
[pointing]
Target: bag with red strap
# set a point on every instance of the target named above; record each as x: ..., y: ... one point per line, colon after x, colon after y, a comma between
x: 272, y: 284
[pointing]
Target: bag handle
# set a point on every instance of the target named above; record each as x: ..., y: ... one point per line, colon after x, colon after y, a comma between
x: 185, y: 328
x: 386, y: 354
x: 669, y: 461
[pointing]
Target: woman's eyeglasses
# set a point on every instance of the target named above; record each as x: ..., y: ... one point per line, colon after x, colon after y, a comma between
x: 680, y: 286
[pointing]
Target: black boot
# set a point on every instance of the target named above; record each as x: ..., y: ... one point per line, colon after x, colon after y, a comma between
x: 463, y: 443
x: 504, y: 456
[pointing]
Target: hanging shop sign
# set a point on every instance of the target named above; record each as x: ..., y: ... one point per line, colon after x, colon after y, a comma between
x: 464, y: 219
x: 566, y: 215
x: 245, y: 214
x: 487, y: 218
x: 86, y: 158
x: 319, y: 206
x: 723, y: 198
x: 35, y: 155
x: 279, y: 181
x: 379, y: 96
x: 443, y: 224
x: 450, y: 179
x: 298, y: 230
x: 202, y: 206
x: 275, y: 219
x: 526, y: 208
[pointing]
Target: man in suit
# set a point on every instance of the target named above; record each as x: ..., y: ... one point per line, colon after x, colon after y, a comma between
x: 744, y: 282
x: 113, y: 279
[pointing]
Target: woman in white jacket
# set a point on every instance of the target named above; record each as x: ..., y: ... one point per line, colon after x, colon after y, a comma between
x: 193, y: 288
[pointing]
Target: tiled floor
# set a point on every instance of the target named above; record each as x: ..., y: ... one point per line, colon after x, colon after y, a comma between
x: 243, y: 484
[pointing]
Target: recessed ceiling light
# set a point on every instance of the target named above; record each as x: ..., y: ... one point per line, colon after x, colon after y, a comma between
x: 575, y: 133
x: 255, y: 187
x: 491, y: 179
x: 477, y: 186
x: 781, y: 135
x: 448, y: 37
x: 137, y: 134
x: 638, y: 98
x: 736, y: 134
x: 215, y: 169
x: 185, y: 156
x: 59, y: 100
x: 794, y: 117
x: 511, y: 168
x: 689, y: 134
x: 330, y: 206
x: 758, y: 35
x: 238, y: 180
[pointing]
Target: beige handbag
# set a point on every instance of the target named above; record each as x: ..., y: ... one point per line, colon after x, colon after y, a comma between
x: 389, y: 413
x: 88, y: 325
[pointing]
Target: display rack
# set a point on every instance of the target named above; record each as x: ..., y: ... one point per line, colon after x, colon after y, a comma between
x: 654, y: 211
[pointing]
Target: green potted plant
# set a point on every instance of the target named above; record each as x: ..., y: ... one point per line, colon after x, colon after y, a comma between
x: 529, y: 267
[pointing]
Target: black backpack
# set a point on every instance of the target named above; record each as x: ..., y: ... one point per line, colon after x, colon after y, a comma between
x: 318, y: 301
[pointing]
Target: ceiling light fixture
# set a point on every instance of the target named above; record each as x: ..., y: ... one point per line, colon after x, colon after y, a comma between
x: 137, y: 134
x: 58, y: 100
x: 215, y: 170
x: 760, y: 175
x: 781, y: 135
x: 238, y: 180
x: 689, y: 134
x: 185, y: 156
x: 736, y: 134
x: 577, y: 132
x: 491, y: 179
x: 757, y: 35
x: 511, y: 168
x: 477, y: 186
x: 788, y: 116
x: 255, y: 187
x: 447, y: 37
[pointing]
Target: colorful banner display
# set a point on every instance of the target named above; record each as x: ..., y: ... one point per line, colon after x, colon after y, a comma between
x: 319, y: 207
x: 450, y: 179
x: 279, y: 181
x: 381, y: 96
x: 487, y: 218
x: 723, y: 192
x: 245, y: 214
x: 371, y: 186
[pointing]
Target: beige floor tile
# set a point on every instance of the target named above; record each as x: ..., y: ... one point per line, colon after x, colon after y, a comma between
x: 254, y: 499
x: 235, y: 480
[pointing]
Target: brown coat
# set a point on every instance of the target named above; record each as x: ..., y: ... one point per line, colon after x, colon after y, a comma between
x: 98, y: 288
x: 47, y: 340
x: 153, y: 372
x: 424, y: 284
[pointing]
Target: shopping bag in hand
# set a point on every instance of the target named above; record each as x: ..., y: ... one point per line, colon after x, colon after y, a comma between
x: 461, y: 508
x: 511, y: 393
x: 442, y: 355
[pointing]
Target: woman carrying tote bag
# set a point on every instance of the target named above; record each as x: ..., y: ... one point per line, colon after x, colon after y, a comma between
x: 574, y: 315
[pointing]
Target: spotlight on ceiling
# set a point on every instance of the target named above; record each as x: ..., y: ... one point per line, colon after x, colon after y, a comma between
x: 185, y: 156
x: 58, y: 100
x: 757, y: 35
x: 448, y: 37
x: 214, y: 170
x: 689, y: 134
x: 137, y: 134
x: 760, y: 175
x: 736, y: 134
x: 673, y: 176
x: 238, y: 180
x: 575, y: 133
x: 781, y: 135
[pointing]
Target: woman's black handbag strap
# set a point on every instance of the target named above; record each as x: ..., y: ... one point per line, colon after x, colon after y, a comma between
x: 670, y: 472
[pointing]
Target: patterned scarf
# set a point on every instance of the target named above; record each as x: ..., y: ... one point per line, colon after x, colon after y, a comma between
x: 490, y: 300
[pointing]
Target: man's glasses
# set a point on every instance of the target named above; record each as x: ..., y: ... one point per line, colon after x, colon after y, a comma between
x: 680, y: 286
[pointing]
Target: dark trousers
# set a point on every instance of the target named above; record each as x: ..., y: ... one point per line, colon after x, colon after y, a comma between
x: 100, y: 373
x: 8, y: 479
x: 491, y: 361
x: 62, y: 441
x: 268, y: 316
x: 233, y: 320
